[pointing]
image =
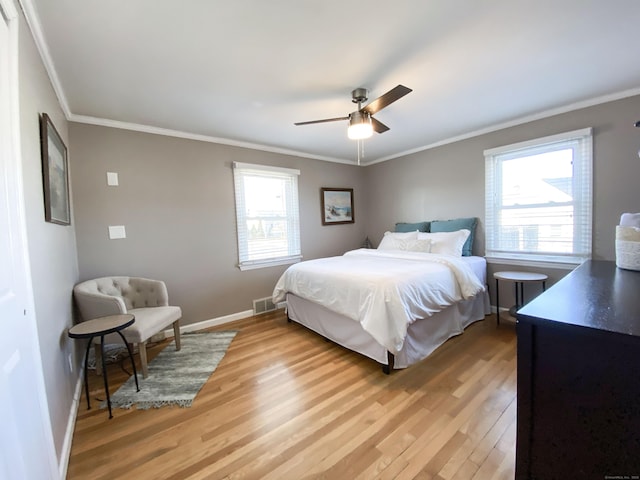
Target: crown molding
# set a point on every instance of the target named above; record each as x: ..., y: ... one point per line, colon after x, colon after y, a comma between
x: 33, y: 21
x: 201, y: 138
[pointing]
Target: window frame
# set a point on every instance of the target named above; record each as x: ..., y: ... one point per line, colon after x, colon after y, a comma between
x: 242, y: 170
x: 582, y: 201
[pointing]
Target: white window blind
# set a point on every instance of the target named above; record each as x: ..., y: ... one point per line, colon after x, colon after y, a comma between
x: 538, y: 204
x: 268, y: 218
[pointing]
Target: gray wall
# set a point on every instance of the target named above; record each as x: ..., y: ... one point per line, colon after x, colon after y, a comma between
x: 448, y: 181
x: 176, y: 201
x: 52, y: 248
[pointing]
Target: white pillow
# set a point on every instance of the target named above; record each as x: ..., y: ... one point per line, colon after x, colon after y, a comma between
x: 420, y: 245
x: 405, y: 241
x: 446, y: 243
x: 402, y: 235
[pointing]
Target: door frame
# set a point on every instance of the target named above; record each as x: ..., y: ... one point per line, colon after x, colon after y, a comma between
x: 46, y: 454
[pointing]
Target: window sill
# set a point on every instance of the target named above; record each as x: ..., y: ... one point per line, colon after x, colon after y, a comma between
x: 269, y: 263
x: 532, y: 263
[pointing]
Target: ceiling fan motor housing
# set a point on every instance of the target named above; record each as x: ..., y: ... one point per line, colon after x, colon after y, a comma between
x: 359, y: 95
x: 359, y: 117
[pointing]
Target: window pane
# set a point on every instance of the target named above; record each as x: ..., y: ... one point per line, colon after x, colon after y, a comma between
x: 265, y: 196
x: 540, y: 230
x: 267, y: 238
x: 538, y: 179
x: 530, y: 186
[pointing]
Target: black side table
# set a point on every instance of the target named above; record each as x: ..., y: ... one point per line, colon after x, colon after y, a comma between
x: 100, y: 327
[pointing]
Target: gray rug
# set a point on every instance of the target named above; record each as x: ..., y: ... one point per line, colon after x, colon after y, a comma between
x: 175, y: 377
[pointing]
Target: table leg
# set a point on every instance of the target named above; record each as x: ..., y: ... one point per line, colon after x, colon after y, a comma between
x: 497, y: 303
x: 104, y: 374
x: 86, y: 380
x: 133, y: 364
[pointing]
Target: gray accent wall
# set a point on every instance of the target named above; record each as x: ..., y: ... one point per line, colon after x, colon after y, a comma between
x: 176, y: 200
x: 448, y: 181
x: 51, y: 247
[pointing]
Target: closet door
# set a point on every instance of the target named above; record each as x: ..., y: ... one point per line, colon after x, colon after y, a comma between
x: 26, y: 442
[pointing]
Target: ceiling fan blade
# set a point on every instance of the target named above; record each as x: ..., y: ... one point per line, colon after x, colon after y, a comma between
x: 322, y: 121
x: 388, y: 98
x: 378, y: 126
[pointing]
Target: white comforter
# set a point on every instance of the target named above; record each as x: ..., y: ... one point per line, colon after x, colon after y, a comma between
x: 385, y: 291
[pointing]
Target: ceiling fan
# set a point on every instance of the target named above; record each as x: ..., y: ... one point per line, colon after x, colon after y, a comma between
x: 361, y: 122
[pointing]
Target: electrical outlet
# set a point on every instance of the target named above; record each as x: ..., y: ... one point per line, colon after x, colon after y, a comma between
x: 70, y: 358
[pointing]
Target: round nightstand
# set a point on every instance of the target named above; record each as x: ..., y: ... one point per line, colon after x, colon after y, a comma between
x: 99, y: 327
x: 519, y: 279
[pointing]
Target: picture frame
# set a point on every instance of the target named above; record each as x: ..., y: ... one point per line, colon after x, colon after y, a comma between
x: 337, y: 206
x: 55, y: 173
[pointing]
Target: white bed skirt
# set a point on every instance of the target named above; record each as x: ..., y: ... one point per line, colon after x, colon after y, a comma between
x: 423, y: 336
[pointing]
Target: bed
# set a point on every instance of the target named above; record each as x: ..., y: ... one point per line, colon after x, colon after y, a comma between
x: 395, y: 304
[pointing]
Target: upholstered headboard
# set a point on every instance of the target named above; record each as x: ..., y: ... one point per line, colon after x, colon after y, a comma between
x: 444, y: 226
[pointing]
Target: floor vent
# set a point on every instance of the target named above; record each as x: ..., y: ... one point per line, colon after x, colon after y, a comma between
x: 263, y: 305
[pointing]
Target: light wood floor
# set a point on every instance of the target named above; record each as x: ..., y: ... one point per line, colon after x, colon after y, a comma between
x: 286, y: 404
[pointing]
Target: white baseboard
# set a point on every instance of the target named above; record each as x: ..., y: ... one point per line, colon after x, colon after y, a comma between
x: 63, y: 464
x: 213, y: 322
x: 504, y: 318
x: 502, y: 309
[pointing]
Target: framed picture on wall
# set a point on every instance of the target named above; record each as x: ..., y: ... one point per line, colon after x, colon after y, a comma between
x: 337, y: 205
x: 55, y: 174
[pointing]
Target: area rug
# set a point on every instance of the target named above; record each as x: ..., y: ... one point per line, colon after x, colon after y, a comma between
x: 175, y: 377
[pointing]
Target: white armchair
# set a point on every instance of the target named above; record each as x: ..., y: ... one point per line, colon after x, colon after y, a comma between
x: 146, y: 299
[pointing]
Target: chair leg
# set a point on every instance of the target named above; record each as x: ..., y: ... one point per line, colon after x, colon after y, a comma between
x: 176, y: 333
x: 97, y: 355
x: 142, y: 349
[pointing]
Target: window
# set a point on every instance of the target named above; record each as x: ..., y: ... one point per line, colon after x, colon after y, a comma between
x: 267, y: 215
x: 538, y: 199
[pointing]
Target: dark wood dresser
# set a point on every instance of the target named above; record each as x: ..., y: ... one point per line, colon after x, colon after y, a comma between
x: 579, y: 377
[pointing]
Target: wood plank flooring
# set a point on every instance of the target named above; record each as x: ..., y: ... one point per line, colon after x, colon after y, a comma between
x: 286, y: 404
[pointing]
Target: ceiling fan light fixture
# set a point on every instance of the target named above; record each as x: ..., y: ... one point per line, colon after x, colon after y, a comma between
x: 360, y: 126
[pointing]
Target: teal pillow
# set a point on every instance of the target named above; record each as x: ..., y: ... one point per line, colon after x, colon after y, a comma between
x: 412, y: 227
x: 458, y: 224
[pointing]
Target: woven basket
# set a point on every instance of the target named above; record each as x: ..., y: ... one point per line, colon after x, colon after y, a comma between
x: 628, y: 247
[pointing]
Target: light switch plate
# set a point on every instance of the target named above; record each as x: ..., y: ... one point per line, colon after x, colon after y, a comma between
x: 117, y: 231
x: 112, y: 179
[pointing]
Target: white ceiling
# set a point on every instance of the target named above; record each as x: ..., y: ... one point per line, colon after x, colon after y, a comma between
x: 242, y: 72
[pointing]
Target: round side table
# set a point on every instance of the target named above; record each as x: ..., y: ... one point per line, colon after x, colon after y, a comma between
x: 99, y: 327
x: 519, y: 279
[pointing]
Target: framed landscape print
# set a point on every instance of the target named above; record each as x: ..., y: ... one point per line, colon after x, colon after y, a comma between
x: 55, y: 173
x: 337, y: 205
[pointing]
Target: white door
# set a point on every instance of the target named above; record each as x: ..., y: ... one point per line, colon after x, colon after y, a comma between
x: 26, y: 441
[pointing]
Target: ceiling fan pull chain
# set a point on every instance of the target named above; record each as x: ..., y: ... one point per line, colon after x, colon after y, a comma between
x: 360, y: 146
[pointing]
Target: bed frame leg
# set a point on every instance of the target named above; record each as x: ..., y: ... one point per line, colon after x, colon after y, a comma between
x: 389, y: 366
